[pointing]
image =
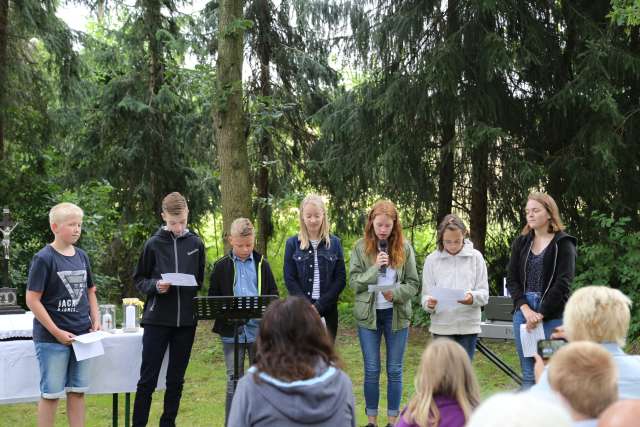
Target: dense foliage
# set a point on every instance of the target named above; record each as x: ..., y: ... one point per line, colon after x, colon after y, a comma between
x: 462, y: 106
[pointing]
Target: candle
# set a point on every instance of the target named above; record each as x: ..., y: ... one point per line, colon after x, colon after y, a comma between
x: 107, y: 322
x: 130, y: 317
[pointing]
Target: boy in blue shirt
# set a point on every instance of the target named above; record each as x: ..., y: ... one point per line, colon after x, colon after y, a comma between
x: 62, y: 296
x: 242, y: 272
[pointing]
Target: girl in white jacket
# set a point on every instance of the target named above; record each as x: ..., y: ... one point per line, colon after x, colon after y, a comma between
x: 455, y: 265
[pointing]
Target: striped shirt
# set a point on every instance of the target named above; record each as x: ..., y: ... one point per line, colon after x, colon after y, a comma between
x: 315, y: 294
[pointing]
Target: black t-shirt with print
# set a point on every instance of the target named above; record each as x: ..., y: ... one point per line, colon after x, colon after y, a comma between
x: 63, y: 281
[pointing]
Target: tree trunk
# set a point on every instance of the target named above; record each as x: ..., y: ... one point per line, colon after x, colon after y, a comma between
x: 152, y: 19
x: 479, y: 183
x: 446, y: 173
x: 265, y: 148
x: 229, y: 117
x: 4, y: 22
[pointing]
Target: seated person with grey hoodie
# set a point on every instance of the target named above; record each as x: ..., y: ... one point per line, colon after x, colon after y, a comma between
x: 296, y: 379
x: 455, y: 265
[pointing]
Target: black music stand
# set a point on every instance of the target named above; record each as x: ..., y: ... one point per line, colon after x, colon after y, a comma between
x: 237, y: 310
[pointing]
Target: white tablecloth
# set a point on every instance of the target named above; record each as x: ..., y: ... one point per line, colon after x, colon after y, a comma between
x: 16, y: 325
x: 117, y: 371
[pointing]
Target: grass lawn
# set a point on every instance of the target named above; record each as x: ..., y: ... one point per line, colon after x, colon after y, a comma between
x: 203, y: 396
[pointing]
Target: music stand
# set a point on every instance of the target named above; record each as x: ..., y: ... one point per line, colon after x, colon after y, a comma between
x: 235, y: 309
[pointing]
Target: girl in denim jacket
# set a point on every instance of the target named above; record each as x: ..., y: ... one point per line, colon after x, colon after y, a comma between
x: 314, y: 262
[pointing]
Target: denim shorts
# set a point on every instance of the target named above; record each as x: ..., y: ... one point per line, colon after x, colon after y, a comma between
x: 60, y: 372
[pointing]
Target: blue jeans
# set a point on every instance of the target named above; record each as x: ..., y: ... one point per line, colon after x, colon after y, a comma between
x: 527, y: 363
x: 467, y: 341
x: 396, y: 342
x: 60, y: 372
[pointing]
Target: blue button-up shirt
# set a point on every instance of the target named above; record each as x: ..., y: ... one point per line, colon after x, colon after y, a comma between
x: 246, y: 284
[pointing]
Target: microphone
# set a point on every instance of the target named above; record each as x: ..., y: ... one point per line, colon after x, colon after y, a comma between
x: 383, y: 246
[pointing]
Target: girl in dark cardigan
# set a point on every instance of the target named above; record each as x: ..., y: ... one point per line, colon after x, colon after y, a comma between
x: 541, y: 269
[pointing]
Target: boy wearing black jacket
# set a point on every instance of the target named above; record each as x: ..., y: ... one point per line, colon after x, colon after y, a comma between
x: 169, y: 317
x: 242, y: 272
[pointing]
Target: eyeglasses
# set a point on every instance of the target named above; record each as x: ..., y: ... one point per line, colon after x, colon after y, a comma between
x: 452, y: 242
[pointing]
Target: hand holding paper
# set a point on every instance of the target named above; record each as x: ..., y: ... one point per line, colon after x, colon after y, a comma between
x: 89, y: 345
x: 447, y: 298
x: 530, y: 338
x: 180, y: 279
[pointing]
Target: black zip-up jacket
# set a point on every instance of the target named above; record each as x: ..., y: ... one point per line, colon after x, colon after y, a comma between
x: 165, y: 253
x: 223, y: 280
x: 558, y: 271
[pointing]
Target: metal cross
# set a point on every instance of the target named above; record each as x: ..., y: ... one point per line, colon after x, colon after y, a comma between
x: 6, y: 226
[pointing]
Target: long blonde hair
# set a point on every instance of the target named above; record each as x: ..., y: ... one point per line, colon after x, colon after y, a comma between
x: 445, y: 370
x: 303, y: 235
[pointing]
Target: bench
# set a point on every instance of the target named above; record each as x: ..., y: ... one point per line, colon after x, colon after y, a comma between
x: 498, y: 325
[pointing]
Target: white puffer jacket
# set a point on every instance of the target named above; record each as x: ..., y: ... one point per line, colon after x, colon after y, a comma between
x: 465, y: 270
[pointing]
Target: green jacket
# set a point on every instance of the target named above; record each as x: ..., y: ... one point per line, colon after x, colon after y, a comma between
x: 363, y: 272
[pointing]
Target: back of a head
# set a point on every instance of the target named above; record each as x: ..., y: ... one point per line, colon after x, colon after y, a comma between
x: 599, y: 314
x: 623, y: 413
x: 519, y: 410
x: 292, y: 340
x: 585, y: 375
x: 445, y: 370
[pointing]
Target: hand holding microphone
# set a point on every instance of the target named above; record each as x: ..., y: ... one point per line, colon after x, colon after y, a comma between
x: 383, y: 258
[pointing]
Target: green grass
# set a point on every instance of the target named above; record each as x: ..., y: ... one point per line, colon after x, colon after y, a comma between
x: 203, y: 398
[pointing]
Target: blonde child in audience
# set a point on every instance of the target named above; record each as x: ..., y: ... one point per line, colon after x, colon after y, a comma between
x: 446, y: 388
x: 584, y: 374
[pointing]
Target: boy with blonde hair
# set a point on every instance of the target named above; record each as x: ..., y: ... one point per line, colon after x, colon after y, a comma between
x: 584, y: 374
x: 242, y: 272
x: 169, y: 317
x: 62, y: 296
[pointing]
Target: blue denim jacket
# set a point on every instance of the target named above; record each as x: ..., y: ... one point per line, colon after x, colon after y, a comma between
x: 298, y: 272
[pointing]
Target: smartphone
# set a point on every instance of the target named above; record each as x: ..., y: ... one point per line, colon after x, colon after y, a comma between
x: 546, y: 348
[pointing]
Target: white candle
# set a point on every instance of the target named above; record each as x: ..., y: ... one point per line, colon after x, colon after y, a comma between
x: 130, y: 317
x: 107, y: 322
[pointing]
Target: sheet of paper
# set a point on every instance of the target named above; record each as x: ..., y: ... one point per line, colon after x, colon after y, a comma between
x: 91, y: 337
x: 180, y: 279
x: 529, y: 339
x: 382, y: 288
x: 447, y: 298
x: 87, y: 350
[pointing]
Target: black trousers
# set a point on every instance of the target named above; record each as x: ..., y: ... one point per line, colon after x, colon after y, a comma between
x: 154, y: 344
x: 331, y: 320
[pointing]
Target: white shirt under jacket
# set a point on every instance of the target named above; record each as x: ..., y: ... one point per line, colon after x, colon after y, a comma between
x: 465, y: 270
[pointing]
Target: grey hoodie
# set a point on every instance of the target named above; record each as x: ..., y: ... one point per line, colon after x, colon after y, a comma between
x: 325, y: 400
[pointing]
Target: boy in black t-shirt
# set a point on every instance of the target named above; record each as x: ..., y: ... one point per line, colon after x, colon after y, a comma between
x: 62, y: 297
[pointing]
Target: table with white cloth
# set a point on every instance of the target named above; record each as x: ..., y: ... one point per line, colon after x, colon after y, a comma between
x: 16, y: 325
x: 117, y: 371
